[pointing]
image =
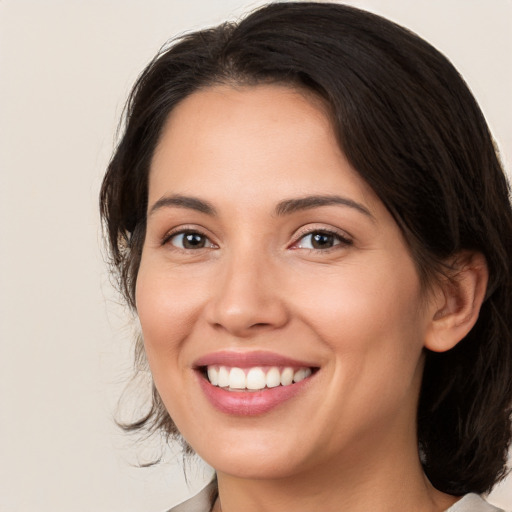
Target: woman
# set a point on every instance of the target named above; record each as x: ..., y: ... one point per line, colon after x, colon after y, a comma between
x: 308, y: 215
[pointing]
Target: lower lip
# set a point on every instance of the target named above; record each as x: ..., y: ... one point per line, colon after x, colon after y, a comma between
x: 250, y: 403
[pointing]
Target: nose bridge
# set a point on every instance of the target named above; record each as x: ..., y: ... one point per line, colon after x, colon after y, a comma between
x: 246, y: 299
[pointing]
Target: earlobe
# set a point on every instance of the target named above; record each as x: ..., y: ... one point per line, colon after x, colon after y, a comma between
x: 457, y: 302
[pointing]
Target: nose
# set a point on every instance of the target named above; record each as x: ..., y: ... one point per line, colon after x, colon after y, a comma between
x: 247, y: 299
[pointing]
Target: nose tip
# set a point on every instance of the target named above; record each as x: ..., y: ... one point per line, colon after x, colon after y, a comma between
x: 241, y: 323
x: 246, y: 303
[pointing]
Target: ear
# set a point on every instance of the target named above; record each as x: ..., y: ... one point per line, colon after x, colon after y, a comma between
x: 457, y: 301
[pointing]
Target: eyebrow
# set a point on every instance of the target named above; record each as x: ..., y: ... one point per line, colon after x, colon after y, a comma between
x: 306, y: 203
x: 179, y: 201
x: 286, y: 207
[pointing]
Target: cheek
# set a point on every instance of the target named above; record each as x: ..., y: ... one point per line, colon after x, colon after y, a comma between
x: 370, y: 314
x: 371, y: 323
x: 166, y: 306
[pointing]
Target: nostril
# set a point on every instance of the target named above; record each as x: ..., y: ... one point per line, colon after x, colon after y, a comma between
x: 243, y: 315
x: 257, y: 325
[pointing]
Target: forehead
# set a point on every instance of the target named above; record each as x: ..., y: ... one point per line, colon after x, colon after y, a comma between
x: 263, y: 139
x: 232, y: 114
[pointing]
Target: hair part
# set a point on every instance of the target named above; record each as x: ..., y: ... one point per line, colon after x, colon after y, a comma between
x: 409, y: 125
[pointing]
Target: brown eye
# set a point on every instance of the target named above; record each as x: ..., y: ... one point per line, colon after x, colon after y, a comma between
x: 318, y: 240
x: 190, y: 240
x: 322, y: 240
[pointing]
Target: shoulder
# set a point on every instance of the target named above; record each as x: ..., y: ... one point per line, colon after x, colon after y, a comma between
x: 473, y: 503
x: 201, y: 502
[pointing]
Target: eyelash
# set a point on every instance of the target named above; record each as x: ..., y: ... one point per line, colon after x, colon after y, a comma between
x: 340, y: 240
x: 185, y: 231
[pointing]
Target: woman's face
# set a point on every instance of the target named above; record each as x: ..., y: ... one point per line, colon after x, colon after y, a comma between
x: 268, y: 257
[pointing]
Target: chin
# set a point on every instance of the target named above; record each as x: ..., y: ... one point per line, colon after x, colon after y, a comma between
x: 254, y: 468
x: 255, y: 455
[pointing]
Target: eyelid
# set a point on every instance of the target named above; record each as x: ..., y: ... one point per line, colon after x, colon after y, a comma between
x: 179, y: 230
x: 343, y: 236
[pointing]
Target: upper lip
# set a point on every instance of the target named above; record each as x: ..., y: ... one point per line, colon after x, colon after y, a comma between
x: 250, y: 359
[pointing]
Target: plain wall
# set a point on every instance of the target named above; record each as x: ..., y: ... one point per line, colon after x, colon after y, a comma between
x: 65, y: 344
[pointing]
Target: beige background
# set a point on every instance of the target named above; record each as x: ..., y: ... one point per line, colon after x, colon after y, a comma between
x: 65, y: 70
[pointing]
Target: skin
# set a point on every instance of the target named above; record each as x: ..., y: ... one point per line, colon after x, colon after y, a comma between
x: 356, y: 310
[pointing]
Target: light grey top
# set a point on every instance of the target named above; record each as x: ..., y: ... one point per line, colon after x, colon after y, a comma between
x: 473, y: 503
x: 201, y: 502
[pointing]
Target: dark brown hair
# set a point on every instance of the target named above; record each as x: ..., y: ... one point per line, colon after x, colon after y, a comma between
x: 409, y: 125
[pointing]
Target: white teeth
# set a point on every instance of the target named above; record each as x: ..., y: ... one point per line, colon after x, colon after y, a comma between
x: 273, y: 378
x: 256, y: 378
x: 213, y: 375
x: 237, y: 379
x: 301, y: 374
x: 287, y: 377
x: 223, y: 377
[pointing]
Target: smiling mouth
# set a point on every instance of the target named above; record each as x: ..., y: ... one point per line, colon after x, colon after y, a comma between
x: 258, y: 378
